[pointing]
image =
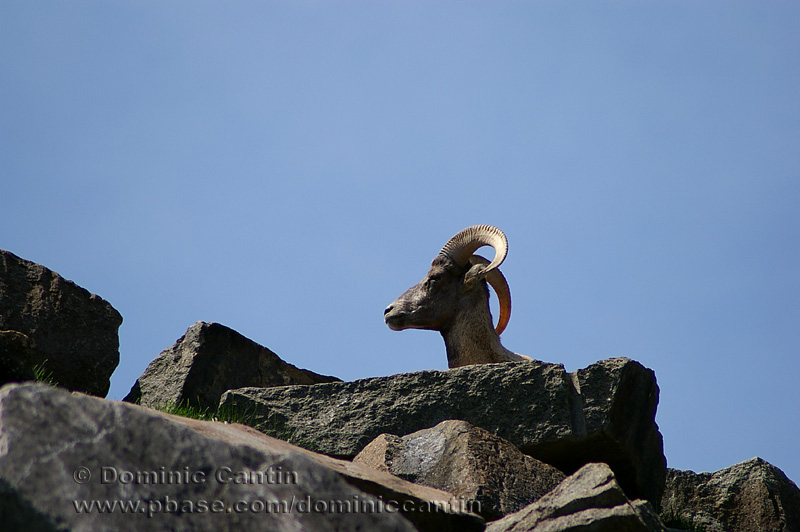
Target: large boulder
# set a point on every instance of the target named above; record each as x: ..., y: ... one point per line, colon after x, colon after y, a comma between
x: 208, y: 360
x: 491, y: 475
x: 589, y: 500
x: 75, y: 462
x: 605, y: 412
x: 751, y: 496
x: 72, y: 334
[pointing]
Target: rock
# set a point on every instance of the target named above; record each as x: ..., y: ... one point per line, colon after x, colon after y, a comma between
x: 590, y: 499
x: 747, y: 497
x: 492, y: 475
x: 605, y: 412
x: 15, y: 358
x: 73, y: 334
x: 209, y: 360
x: 75, y: 462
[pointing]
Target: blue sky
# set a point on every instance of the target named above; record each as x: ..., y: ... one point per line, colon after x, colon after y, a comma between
x: 289, y: 168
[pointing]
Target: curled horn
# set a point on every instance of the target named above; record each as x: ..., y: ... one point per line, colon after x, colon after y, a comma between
x: 461, y: 247
x: 498, y: 282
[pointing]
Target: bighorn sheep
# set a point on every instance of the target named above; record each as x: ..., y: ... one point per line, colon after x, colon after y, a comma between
x: 454, y: 299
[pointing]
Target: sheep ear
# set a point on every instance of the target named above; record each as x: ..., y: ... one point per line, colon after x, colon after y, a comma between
x: 476, y: 273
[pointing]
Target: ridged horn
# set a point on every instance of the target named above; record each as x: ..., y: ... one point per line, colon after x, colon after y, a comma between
x: 498, y: 282
x: 461, y: 247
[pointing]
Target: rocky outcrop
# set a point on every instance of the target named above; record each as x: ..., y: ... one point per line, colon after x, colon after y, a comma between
x: 72, y: 333
x: 604, y: 413
x: 209, y: 360
x: 469, y: 462
x: 71, y: 461
x: 753, y: 496
x: 590, y: 499
x: 428, y: 447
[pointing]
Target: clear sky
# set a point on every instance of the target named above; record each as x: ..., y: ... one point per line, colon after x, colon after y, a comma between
x: 289, y: 168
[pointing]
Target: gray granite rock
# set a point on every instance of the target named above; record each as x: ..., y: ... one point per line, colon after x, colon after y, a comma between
x: 589, y: 500
x: 605, y: 412
x: 79, y: 463
x: 751, y: 496
x: 495, y: 477
x: 72, y: 333
x: 209, y: 360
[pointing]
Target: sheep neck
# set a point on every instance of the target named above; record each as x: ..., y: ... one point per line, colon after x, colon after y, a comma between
x: 471, y: 339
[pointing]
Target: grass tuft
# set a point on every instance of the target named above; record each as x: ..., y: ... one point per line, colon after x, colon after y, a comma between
x: 42, y: 374
x: 224, y: 414
x: 228, y: 413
